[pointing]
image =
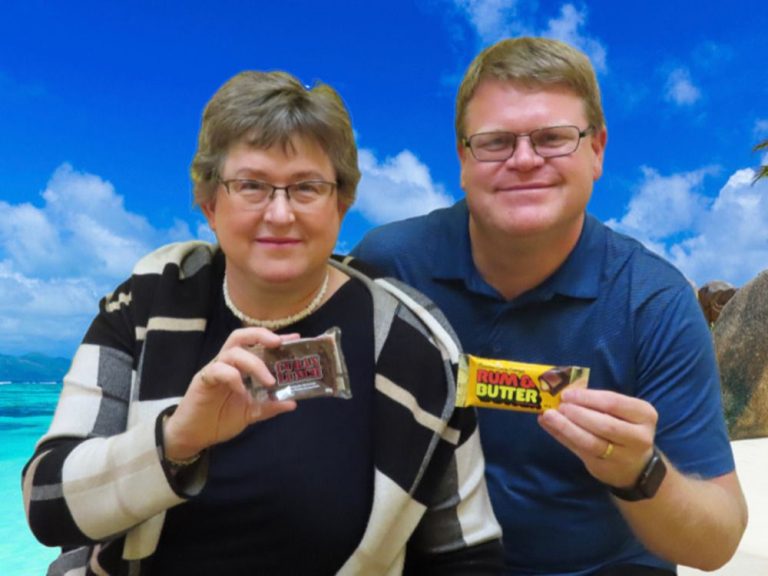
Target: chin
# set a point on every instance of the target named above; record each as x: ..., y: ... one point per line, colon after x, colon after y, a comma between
x: 279, y: 277
x: 523, y: 222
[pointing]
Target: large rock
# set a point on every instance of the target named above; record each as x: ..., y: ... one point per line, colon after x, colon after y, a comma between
x: 741, y: 343
x: 713, y: 296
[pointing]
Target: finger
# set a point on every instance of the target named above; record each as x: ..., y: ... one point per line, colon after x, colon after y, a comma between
x: 606, y: 459
x: 606, y: 426
x: 224, y: 376
x: 264, y: 410
x: 250, y: 364
x: 620, y: 406
x: 609, y: 447
x: 574, y: 437
x: 289, y: 337
x: 252, y: 336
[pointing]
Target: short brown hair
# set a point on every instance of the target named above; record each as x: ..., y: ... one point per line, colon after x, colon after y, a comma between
x: 533, y: 62
x: 265, y: 109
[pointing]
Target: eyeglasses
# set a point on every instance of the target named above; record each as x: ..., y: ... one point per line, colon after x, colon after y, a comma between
x: 303, y: 196
x: 549, y: 142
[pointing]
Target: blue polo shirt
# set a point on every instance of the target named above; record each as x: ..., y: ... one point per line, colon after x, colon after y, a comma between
x: 613, y: 306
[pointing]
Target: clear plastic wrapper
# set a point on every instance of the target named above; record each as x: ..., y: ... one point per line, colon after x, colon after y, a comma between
x: 304, y: 368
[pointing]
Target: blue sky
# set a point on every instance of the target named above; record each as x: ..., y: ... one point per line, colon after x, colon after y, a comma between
x: 100, y: 105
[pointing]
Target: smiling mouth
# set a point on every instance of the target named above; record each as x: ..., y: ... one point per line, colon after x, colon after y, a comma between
x: 523, y: 187
x: 277, y: 241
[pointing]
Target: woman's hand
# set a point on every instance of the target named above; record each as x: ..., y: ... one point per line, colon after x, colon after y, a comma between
x: 217, y: 406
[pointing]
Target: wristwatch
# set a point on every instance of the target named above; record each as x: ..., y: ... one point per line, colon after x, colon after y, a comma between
x: 647, y: 483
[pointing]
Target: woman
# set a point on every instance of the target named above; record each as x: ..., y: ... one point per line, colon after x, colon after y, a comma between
x: 158, y: 460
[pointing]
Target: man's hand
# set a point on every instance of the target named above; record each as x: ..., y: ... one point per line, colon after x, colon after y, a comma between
x: 611, y: 433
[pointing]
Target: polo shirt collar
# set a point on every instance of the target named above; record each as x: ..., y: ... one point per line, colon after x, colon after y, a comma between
x: 578, y: 277
x: 453, y: 258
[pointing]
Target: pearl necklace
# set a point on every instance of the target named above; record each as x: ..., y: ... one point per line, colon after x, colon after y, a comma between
x: 279, y: 322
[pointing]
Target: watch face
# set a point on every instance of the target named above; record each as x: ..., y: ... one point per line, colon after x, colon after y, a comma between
x: 647, y: 483
x: 654, y: 473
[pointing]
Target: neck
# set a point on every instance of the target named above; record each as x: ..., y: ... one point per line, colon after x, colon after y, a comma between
x: 512, y: 264
x: 273, y: 309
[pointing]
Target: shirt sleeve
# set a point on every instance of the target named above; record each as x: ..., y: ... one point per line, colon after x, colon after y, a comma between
x: 93, y: 476
x: 678, y: 374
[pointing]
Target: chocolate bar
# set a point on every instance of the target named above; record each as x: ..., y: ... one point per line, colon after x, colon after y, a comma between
x: 509, y: 385
x: 304, y: 368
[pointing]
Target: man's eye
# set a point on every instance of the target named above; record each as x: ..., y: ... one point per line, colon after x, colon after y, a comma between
x: 552, y: 138
x: 497, y: 142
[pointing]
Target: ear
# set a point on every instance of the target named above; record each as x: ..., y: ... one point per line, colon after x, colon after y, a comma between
x: 597, y: 143
x: 464, y: 156
x: 342, y: 207
x: 209, y: 211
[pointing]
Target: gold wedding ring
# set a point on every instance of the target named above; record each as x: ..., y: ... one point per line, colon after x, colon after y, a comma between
x: 607, y: 452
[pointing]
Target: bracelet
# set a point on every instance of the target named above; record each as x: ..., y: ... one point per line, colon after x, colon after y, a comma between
x: 173, y: 463
x: 182, y: 463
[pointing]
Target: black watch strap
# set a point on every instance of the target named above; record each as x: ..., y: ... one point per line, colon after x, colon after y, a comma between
x: 647, y: 483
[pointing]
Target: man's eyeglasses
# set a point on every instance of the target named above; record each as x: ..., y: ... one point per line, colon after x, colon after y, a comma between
x: 549, y: 142
x: 303, y: 196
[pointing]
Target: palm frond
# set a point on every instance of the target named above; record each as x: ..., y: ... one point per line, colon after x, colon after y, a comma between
x: 763, y: 171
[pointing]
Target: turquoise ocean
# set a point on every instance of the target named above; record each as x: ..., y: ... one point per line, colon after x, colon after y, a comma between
x: 26, y: 409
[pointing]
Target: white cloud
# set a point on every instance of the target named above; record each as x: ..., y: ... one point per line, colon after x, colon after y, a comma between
x: 761, y: 127
x: 665, y: 205
x: 58, y: 259
x: 59, y: 256
x: 680, y: 89
x: 725, y: 238
x: 494, y: 20
x: 396, y: 188
x: 491, y: 19
x: 567, y: 28
x: 44, y: 315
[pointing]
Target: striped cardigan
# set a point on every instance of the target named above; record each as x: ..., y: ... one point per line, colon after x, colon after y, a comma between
x: 97, y: 484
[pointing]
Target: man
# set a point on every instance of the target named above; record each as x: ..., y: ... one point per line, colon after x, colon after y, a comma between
x: 634, y: 474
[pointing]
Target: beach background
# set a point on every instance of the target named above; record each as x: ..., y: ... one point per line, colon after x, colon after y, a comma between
x: 26, y: 409
x: 100, y: 105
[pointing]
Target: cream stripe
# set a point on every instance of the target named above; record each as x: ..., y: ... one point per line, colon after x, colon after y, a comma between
x: 176, y: 324
x: 122, y: 300
x: 165, y: 323
x: 408, y: 400
x: 425, y: 316
x: 155, y: 262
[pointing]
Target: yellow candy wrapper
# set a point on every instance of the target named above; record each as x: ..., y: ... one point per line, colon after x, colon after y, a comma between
x: 519, y: 386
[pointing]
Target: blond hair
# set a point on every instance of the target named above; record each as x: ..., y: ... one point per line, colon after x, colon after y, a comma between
x: 532, y: 62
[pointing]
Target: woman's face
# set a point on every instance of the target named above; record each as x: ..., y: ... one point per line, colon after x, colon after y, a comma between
x: 275, y: 244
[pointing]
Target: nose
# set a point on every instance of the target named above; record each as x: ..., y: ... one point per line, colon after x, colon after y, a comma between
x: 279, y: 210
x: 524, y: 157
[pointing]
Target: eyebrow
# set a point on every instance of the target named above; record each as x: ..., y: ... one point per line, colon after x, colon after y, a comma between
x: 250, y: 173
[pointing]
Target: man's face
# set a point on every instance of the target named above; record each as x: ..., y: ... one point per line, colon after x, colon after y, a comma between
x: 528, y: 195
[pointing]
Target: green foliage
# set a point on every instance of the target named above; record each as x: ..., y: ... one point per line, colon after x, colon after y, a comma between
x: 763, y: 171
